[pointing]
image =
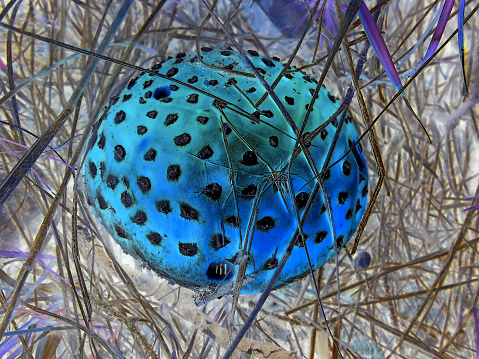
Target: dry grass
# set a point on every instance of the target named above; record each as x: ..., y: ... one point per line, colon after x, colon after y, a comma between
x: 83, y: 297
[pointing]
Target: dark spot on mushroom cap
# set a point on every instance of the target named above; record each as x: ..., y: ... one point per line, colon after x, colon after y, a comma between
x: 271, y: 263
x: 152, y: 114
x: 93, y: 169
x: 193, y: 98
x: 141, y: 130
x: 349, y: 214
x: 173, y: 172
x: 301, y: 199
x: 324, y: 134
x: 172, y: 72
x: 320, y: 236
x: 119, y: 153
x: 268, y: 113
x: 120, y: 116
x: 89, y: 200
x: 193, y: 80
x: 205, y: 153
x: 249, y: 192
x: 163, y: 206
x: 364, y: 192
x: 102, y: 170
x: 202, y: 119
x: 150, y: 155
x: 144, y: 184
x: 121, y: 232
x: 101, y: 201
x: 249, y: 159
x: 346, y: 168
x: 126, y: 182
x: 300, y: 240
x: 166, y: 100
x: 289, y: 100
x: 342, y: 197
x: 213, y: 191
x: 358, y: 205
x: 219, y: 241
x: 139, y: 218
x: 226, y: 129
x: 147, y: 84
x: 233, y: 221
x: 171, y: 119
x: 268, y: 62
x: 188, y: 249
x: 232, y: 81
x: 265, y: 224
x: 182, y: 140
x: 112, y: 181
x: 331, y: 97
x: 114, y: 100
x: 154, y: 238
x: 126, y: 199
x: 188, y: 212
x: 101, y: 141
x: 307, y: 78
x: 273, y: 141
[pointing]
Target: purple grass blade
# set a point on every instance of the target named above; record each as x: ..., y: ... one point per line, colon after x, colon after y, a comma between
x: 304, y: 17
x: 301, y: 6
x: 15, y: 354
x: 441, y: 25
x: 18, y: 254
x: 43, y: 154
x: 38, y: 255
x: 460, y: 37
x: 35, y: 172
x: 379, y: 46
x: 6, y: 347
x: 473, y: 207
x: 288, y: 4
x: 476, y: 326
x: 3, y: 67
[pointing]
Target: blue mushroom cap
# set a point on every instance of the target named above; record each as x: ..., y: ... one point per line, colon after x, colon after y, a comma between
x: 182, y: 163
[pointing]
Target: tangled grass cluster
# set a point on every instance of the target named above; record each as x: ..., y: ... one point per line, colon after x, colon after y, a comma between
x: 409, y: 292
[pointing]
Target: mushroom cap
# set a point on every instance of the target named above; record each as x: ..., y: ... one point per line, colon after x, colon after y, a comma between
x: 176, y: 170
